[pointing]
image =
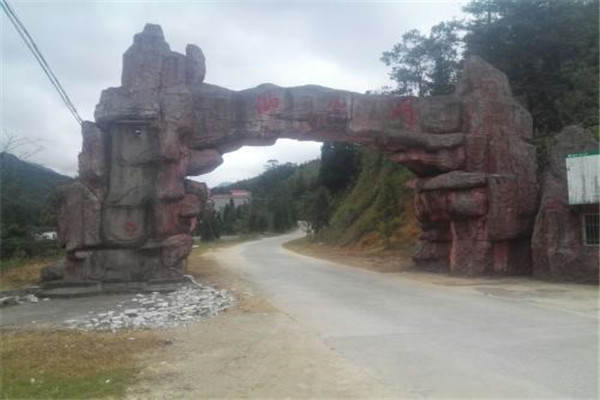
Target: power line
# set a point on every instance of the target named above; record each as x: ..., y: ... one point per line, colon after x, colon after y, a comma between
x: 30, y: 43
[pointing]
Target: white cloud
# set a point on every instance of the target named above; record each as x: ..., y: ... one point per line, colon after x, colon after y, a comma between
x: 249, y: 161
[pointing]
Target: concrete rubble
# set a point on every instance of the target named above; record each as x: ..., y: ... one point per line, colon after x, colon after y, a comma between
x: 158, y: 310
x: 15, y: 300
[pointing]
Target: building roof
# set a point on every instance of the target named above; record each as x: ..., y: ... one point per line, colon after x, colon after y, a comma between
x: 233, y: 193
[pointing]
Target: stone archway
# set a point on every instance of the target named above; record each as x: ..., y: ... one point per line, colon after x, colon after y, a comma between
x: 128, y: 217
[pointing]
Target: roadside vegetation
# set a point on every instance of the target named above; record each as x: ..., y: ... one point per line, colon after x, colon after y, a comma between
x: 28, y: 207
x: 20, y: 272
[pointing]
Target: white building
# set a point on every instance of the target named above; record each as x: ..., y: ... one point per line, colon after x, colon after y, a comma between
x: 46, y: 236
x: 239, y: 198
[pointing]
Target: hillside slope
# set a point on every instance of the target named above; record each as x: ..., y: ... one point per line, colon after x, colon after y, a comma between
x: 376, y: 210
x: 27, y: 191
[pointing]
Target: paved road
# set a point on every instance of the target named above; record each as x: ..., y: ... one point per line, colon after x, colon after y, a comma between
x: 429, y: 340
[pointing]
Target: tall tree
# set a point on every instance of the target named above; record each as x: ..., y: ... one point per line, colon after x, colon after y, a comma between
x: 339, y: 165
x: 316, y: 208
x: 548, y: 49
x: 425, y: 65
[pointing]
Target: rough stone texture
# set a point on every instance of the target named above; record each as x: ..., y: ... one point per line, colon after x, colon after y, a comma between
x: 79, y: 218
x: 476, y: 192
x: 197, y: 188
x: 557, y: 243
x: 203, y: 161
x: 92, y: 161
x: 195, y: 68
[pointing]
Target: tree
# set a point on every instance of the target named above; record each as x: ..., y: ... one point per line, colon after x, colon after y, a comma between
x: 442, y: 49
x: 271, y: 164
x: 549, y: 51
x: 425, y: 65
x: 339, y: 165
x: 10, y: 143
x: 209, y: 225
x: 547, y: 48
x: 228, y: 222
x: 316, y: 207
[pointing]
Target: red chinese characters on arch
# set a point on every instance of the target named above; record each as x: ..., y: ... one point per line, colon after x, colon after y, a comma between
x: 405, y: 110
x: 266, y: 103
x: 130, y: 227
x: 336, y: 107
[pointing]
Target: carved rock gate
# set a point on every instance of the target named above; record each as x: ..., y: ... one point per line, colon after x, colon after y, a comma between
x: 129, y: 216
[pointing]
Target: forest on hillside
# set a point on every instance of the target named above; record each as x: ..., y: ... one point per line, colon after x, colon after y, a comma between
x: 28, y: 206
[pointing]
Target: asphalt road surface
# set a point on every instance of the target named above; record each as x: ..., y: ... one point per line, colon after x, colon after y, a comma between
x: 429, y: 340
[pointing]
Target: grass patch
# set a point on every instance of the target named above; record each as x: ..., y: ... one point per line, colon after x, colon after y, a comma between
x: 374, y: 259
x: 17, y: 273
x: 70, y: 364
x: 377, y: 212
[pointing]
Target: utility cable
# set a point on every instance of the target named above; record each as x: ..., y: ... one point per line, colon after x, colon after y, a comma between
x: 30, y: 43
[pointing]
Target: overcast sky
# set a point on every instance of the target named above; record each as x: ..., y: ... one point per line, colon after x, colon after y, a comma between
x: 331, y: 43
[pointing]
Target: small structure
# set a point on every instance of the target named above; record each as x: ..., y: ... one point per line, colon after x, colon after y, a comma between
x: 566, y: 234
x: 583, y: 181
x: 238, y: 197
x: 52, y: 235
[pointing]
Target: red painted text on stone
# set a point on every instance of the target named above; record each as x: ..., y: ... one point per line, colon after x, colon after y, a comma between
x: 130, y: 227
x: 336, y: 106
x: 406, y: 111
x: 266, y: 103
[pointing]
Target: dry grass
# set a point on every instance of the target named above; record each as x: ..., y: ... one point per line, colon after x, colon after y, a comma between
x: 23, y: 275
x: 371, y: 258
x: 410, y: 229
x: 70, y: 364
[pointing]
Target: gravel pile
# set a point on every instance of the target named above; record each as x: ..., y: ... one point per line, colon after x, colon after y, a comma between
x: 158, y: 310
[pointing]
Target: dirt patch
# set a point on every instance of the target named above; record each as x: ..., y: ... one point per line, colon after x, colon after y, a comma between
x: 250, y: 355
x: 385, y: 261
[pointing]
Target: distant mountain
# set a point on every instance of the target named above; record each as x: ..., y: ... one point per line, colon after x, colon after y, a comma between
x: 223, y: 184
x: 25, y: 192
